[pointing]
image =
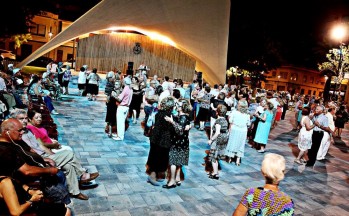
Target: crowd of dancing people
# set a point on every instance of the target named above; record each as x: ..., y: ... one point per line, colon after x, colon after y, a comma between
x: 232, y: 117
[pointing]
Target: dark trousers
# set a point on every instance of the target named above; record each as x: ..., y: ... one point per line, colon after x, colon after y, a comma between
x: 316, y: 141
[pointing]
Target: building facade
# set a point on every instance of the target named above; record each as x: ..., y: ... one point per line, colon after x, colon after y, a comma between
x: 43, y: 28
x: 296, y: 80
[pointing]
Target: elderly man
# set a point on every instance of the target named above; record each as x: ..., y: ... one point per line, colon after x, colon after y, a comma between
x: 124, y: 101
x: 321, y: 126
x: 64, y: 159
x: 24, y: 165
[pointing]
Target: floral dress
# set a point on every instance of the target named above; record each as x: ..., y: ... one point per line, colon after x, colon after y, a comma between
x: 179, y: 151
x: 260, y: 201
x: 218, y: 145
x: 304, y: 136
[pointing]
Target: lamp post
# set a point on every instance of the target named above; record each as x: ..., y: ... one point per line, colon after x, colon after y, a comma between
x: 277, y: 82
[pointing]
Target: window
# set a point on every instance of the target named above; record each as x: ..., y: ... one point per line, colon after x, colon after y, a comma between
x: 294, y: 77
x: 314, y: 92
x: 38, y: 29
x: 302, y: 91
x: 311, y: 79
x: 309, y: 92
x: 283, y: 75
x: 304, y: 79
x: 274, y: 74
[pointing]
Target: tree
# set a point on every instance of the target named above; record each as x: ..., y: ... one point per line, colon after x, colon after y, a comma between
x: 336, y: 66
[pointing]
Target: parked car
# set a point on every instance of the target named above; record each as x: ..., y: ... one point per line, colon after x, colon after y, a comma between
x: 41, y: 62
x: 7, y: 54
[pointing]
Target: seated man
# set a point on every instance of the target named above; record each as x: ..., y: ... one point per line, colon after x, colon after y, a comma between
x: 64, y: 159
x: 11, y: 132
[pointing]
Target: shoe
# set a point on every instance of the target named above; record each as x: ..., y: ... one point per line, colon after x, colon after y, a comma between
x: 214, y: 176
x: 309, y: 165
x: 153, y: 182
x: 169, y: 187
x: 117, y: 138
x: 261, y: 151
x: 80, y: 196
x: 54, y: 112
x: 114, y: 135
x: 93, y: 176
x: 303, y: 161
x: 160, y: 180
x: 178, y: 183
x: 90, y: 99
x: 298, y: 161
x: 135, y: 122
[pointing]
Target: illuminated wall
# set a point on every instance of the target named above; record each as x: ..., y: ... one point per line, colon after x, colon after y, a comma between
x: 109, y: 51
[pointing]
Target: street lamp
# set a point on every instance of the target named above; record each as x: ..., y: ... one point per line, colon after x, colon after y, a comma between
x: 339, y: 32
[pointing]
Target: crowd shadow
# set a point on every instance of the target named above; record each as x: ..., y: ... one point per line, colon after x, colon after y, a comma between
x: 341, y: 145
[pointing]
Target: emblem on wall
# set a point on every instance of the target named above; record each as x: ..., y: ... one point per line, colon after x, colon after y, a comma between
x: 137, y: 49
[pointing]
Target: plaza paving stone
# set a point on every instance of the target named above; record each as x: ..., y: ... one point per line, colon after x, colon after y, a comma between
x: 123, y: 187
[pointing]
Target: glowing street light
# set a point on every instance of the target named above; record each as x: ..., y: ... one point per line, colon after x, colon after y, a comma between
x: 339, y: 32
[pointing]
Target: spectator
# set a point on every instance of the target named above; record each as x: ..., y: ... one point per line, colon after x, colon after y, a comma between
x: 267, y: 200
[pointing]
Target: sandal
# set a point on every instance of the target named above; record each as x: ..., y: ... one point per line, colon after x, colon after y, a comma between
x: 178, y: 183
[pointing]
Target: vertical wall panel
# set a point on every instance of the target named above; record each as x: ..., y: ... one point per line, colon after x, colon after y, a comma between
x: 109, y: 51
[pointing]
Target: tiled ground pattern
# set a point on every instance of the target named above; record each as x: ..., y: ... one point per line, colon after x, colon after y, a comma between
x: 123, y: 189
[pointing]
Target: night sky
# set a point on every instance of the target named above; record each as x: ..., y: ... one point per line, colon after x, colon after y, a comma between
x: 295, y: 32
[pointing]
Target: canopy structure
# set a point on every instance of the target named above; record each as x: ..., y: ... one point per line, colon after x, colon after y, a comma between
x: 198, y: 27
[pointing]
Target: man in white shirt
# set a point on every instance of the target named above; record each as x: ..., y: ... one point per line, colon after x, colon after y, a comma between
x: 326, y: 139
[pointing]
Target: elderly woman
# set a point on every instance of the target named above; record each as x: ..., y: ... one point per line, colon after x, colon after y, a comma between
x: 305, y: 135
x: 267, y: 200
x: 179, y: 151
x: 160, y: 144
x: 35, y: 90
x: 112, y: 92
x: 204, y: 111
x: 239, y: 121
x: 218, y: 141
x: 264, y: 126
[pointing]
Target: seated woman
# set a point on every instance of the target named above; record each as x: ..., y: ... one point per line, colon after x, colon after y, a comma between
x: 35, y: 89
x: 35, y: 119
x: 16, y: 199
x: 267, y: 200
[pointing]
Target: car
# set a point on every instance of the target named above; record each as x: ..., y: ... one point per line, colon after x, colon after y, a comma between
x: 41, y: 62
x: 7, y: 54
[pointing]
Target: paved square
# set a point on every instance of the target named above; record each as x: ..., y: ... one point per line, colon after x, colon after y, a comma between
x: 123, y: 189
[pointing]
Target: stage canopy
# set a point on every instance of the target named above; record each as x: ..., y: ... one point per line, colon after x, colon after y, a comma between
x: 198, y: 27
